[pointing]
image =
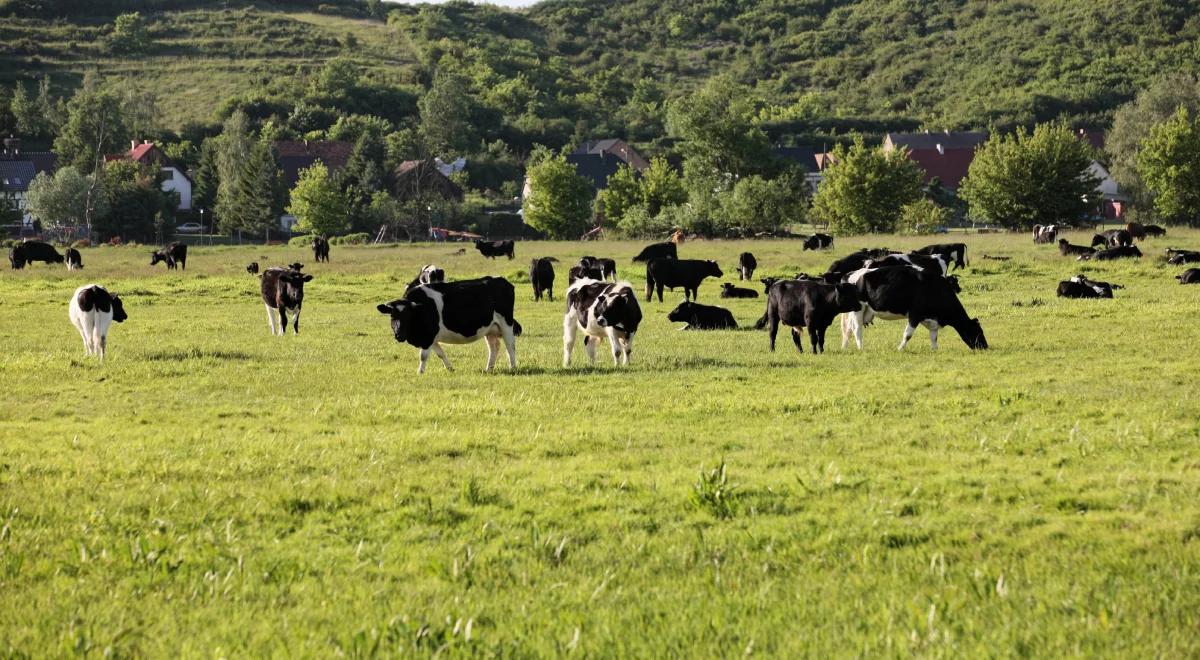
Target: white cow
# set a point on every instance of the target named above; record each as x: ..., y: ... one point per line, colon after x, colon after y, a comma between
x: 92, y: 310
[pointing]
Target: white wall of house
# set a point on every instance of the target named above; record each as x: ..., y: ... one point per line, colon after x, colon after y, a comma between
x: 175, y: 181
x: 1107, y: 186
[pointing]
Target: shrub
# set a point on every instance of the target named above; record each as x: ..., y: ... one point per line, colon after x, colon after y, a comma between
x: 714, y: 493
x: 351, y: 239
x: 923, y: 216
x: 301, y: 241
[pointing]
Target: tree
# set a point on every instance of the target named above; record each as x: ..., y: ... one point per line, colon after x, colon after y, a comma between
x: 446, y: 127
x: 318, y: 204
x: 363, y: 176
x: 760, y: 205
x: 205, y: 181
x: 129, y: 34
x: 661, y: 186
x: 622, y: 193
x: 865, y: 188
x: 134, y: 199
x: 61, y: 198
x: 923, y: 216
x: 1169, y: 164
x: 32, y: 120
x: 95, y: 126
x: 249, y: 192
x: 717, y: 131
x: 1024, y: 179
x: 560, y: 201
x: 1132, y: 123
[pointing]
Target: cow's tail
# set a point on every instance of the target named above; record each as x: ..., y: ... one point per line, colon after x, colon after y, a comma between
x: 649, y: 283
x: 516, y: 328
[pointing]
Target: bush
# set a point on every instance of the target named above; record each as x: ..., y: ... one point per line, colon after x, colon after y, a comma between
x: 923, y: 216
x: 81, y: 243
x: 301, y: 241
x: 360, y: 238
x: 638, y: 223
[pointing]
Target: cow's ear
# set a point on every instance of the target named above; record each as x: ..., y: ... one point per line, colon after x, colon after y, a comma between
x: 385, y: 309
x: 308, y: 278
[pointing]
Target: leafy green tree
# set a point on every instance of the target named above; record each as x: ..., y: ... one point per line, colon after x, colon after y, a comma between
x: 560, y: 201
x: 661, y: 186
x: 249, y: 190
x: 1132, y: 122
x: 763, y: 205
x: 204, y: 176
x: 95, y: 126
x: 865, y: 188
x: 1169, y: 164
x: 352, y: 127
x: 32, y: 119
x: 318, y: 203
x: 1024, y: 179
x: 923, y: 216
x: 716, y: 129
x: 623, y: 192
x: 129, y: 34
x: 134, y: 200
x: 446, y: 127
x: 61, y: 198
x: 363, y: 176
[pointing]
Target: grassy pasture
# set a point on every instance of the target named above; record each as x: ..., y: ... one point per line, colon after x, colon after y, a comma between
x: 215, y: 491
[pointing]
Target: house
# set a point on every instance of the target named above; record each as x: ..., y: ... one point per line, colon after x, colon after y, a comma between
x: 174, y: 179
x: 415, y: 178
x: 598, y: 160
x: 945, y: 156
x: 454, y: 166
x: 15, y: 175
x: 806, y: 159
x: 297, y: 155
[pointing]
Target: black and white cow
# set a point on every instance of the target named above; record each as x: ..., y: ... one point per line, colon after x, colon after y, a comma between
x: 283, y: 292
x: 320, y: 248
x: 252, y: 268
x: 607, y: 267
x: 73, y: 258
x: 428, y: 274
x: 1189, y: 276
x: 934, y: 262
x: 702, y: 317
x: 30, y: 251
x: 460, y: 312
x: 580, y: 272
x: 1081, y: 287
x: 853, y: 262
x: 1066, y: 249
x: 1155, y: 231
x: 1113, y: 238
x: 686, y: 273
x: 92, y: 310
x: 601, y: 309
x: 493, y: 249
x: 954, y: 254
x: 172, y: 254
x: 808, y: 304
x: 541, y: 275
x: 654, y: 251
x: 921, y: 296
x: 730, y: 291
x: 1045, y: 233
x: 1176, y: 256
x: 1122, y: 252
x: 818, y: 242
x: 746, y: 265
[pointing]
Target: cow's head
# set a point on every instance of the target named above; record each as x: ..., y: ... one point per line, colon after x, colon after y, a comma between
x: 684, y: 313
x: 156, y: 257
x: 712, y: 269
x: 952, y: 280
x: 291, y: 283
x: 972, y: 334
x: 118, y: 309
x: 296, y: 266
x: 16, y: 259
x: 811, y: 243
x: 768, y: 282
x: 403, y: 314
x: 845, y: 298
x: 619, y: 310
x: 1098, y: 239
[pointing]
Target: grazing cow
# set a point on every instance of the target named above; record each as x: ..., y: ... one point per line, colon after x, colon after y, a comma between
x: 283, y: 292
x: 541, y: 274
x: 730, y: 291
x: 578, y: 272
x: 252, y: 268
x: 296, y: 265
x: 746, y: 265
x: 818, y: 242
x: 607, y: 267
x: 671, y: 273
x: 320, y: 248
x: 456, y: 313
x: 493, y: 249
x: 1176, y: 256
x: 702, y: 317
x: 1123, y: 252
x: 1066, y: 249
x: 92, y: 310
x: 808, y: 304
x: 952, y: 253
x: 658, y: 251
x: 854, y: 261
x: 1045, y: 233
x: 428, y: 274
x: 934, y: 263
x: 30, y: 251
x: 1155, y: 230
x: 921, y: 297
x: 1113, y: 238
x: 1189, y: 276
x: 601, y: 309
x: 1081, y: 287
x: 174, y: 253
x: 73, y: 258
x: 1136, y: 230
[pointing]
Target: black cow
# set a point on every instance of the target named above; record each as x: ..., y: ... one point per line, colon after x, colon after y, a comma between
x: 1081, y: 287
x: 578, y: 272
x: 1066, y: 249
x: 1136, y: 230
x: 702, y: 317
x: 671, y: 273
x: 283, y: 292
x: 320, y: 248
x: 296, y: 266
x: 921, y: 297
x: 175, y: 253
x: 252, y: 268
x: 73, y: 258
x: 730, y: 291
x: 428, y: 274
x: 746, y: 265
x: 601, y: 309
x: 808, y: 304
x: 1155, y: 230
x: 1045, y: 233
x: 1176, y: 256
x: 30, y: 251
x: 541, y: 275
x: 952, y: 253
x: 1189, y: 276
x: 654, y: 251
x: 934, y: 263
x: 1113, y: 238
x: 818, y: 242
x: 1123, y: 252
x: 607, y: 267
x: 853, y: 261
x: 456, y: 313
x: 493, y: 249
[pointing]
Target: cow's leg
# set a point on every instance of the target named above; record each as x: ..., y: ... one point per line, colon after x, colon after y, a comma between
x: 510, y: 345
x: 282, y: 321
x: 796, y: 339
x: 296, y: 321
x: 660, y: 289
x: 627, y: 342
x: 424, y: 358
x: 615, y: 345
x: 814, y: 338
x: 493, y: 344
x: 102, y: 343
x: 908, y: 333
x: 772, y: 328
x: 589, y: 347
x: 437, y: 350
x: 270, y: 318
x: 933, y: 332
x: 568, y: 340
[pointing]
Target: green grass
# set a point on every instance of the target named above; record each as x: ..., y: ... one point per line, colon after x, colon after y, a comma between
x: 215, y: 491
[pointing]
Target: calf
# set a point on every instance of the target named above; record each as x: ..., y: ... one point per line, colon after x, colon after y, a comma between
x: 175, y: 253
x: 654, y: 251
x: 1155, y: 230
x: 283, y: 292
x: 601, y: 309
x: 818, y: 242
x: 92, y: 310
x: 702, y: 317
x: 1113, y: 238
x: 578, y: 272
x: 428, y: 274
x: 30, y: 251
x: 493, y: 249
x: 746, y: 265
x: 252, y: 268
x: 808, y: 304
x: 951, y: 253
x: 1081, y: 287
x: 541, y: 275
x: 320, y: 248
x: 921, y: 297
x: 1123, y: 252
x: 671, y: 273
x: 1066, y: 249
x: 456, y: 313
x: 607, y: 267
x: 1189, y: 276
x: 1045, y: 233
x: 74, y: 259
x: 730, y: 291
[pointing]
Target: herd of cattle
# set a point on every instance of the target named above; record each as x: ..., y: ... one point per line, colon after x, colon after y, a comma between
x: 867, y: 284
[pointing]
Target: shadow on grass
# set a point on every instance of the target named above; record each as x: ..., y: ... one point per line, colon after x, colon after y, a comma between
x: 196, y: 354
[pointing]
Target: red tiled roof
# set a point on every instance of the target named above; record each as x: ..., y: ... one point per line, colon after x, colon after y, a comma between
x: 949, y: 167
x: 296, y: 155
x: 140, y: 152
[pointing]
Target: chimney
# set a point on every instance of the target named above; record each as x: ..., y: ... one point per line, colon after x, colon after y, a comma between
x: 946, y: 131
x: 941, y: 149
x: 132, y: 145
x: 12, y: 146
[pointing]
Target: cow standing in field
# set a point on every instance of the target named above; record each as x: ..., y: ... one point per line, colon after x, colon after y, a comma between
x: 30, y: 251
x: 1045, y: 233
x: 818, y: 242
x: 283, y: 292
x: 320, y: 248
x: 252, y: 268
x: 601, y: 309
x: 456, y: 313
x: 746, y: 265
x: 1113, y: 238
x: 606, y: 267
x: 173, y: 254
x: 1189, y: 276
x: 92, y: 310
x: 686, y: 273
x: 541, y: 275
x: 581, y: 272
x: 920, y: 296
x: 853, y: 262
x: 954, y: 254
x: 702, y: 317
x: 657, y: 251
x: 1066, y: 249
x: 934, y: 263
x: 808, y: 304
x: 73, y: 258
x: 730, y: 291
x: 493, y: 249
x: 1137, y: 230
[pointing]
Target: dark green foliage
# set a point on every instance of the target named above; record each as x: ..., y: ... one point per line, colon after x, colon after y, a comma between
x: 134, y: 200
x: 1169, y: 165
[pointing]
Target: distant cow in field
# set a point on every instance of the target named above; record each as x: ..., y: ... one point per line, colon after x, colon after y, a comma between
x: 854, y: 261
x: 658, y: 251
x: 686, y: 273
x: 702, y: 317
x: 1189, y: 276
x: 173, y: 254
x: 1113, y: 238
x: 746, y: 265
x: 428, y: 274
x: 456, y: 313
x: 730, y: 291
x: 1176, y: 256
x: 1155, y: 231
x: 73, y: 258
x: 1123, y: 252
x: 30, y: 251
x: 541, y: 275
x: 283, y: 292
x: 493, y: 249
x: 1066, y: 249
x: 952, y: 253
x: 1081, y: 287
x: 92, y: 310
x: 1136, y: 230
x: 922, y: 297
x: 607, y: 267
x: 818, y: 242
x: 252, y: 268
x: 579, y: 272
x: 320, y: 248
x: 808, y: 304
x: 1045, y: 233
x: 932, y: 262
x: 601, y: 309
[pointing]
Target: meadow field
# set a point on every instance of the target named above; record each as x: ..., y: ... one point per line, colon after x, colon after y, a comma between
x: 211, y: 490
